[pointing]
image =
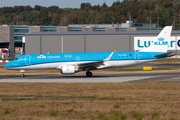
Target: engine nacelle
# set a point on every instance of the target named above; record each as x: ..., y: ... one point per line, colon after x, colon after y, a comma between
x: 69, y: 69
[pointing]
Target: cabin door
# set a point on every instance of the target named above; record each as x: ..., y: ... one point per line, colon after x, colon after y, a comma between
x: 27, y: 60
x: 136, y: 56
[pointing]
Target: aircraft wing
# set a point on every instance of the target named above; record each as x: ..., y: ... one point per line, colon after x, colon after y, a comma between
x: 94, y: 64
x: 168, y: 54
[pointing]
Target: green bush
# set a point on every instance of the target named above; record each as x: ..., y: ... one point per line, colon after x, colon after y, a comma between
x: 172, y: 118
x: 83, y: 116
x: 136, y: 115
x: 117, y: 106
x: 155, y: 114
x: 6, y: 111
x: 117, y: 115
x: 102, y: 117
x: 53, y: 113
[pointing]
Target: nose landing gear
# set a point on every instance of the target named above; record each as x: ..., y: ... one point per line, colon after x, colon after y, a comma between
x: 89, y: 74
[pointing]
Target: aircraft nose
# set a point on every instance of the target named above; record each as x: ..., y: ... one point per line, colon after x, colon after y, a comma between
x: 7, y: 65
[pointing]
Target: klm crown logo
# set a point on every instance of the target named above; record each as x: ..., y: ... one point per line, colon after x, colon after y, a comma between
x: 161, y: 42
x: 160, y: 39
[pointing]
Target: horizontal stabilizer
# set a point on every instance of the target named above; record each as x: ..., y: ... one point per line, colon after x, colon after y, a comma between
x: 168, y: 54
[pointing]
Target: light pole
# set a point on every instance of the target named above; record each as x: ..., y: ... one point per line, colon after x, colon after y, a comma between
x: 174, y: 24
x: 150, y: 24
x: 158, y: 21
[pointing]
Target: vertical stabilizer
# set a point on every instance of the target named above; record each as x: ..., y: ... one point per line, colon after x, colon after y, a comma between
x: 160, y: 43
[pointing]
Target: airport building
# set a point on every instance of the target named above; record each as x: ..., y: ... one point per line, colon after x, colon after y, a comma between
x: 73, y: 42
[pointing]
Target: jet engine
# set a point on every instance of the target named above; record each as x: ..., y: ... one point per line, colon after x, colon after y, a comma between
x: 69, y: 69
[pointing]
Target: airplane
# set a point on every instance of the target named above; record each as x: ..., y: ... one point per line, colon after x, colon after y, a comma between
x: 71, y: 63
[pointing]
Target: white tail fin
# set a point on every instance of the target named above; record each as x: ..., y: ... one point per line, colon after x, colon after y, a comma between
x: 160, y: 44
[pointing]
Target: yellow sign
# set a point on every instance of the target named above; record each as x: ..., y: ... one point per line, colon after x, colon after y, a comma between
x: 147, y: 68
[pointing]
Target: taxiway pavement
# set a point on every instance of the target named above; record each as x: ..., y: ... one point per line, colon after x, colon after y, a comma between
x: 103, y: 78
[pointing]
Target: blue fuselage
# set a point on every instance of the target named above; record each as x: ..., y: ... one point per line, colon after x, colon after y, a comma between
x: 23, y: 61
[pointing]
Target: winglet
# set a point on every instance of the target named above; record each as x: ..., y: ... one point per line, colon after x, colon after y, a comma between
x: 109, y: 57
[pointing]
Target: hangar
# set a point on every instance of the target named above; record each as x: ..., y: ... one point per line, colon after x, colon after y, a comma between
x: 73, y: 42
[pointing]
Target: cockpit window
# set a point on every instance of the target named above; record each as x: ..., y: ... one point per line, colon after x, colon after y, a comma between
x: 16, y: 59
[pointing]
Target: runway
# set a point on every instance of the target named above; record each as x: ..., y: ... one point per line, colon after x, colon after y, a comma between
x: 101, y: 78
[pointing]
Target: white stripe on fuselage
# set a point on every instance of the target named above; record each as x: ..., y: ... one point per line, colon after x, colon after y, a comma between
x: 107, y: 64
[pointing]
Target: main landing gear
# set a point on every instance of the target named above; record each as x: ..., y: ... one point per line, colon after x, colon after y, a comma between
x: 22, y: 75
x: 89, y: 74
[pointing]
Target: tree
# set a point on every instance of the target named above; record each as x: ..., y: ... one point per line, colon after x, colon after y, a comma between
x: 83, y: 5
x: 104, y: 5
x: 37, y: 7
x: 28, y: 8
x: 96, y: 7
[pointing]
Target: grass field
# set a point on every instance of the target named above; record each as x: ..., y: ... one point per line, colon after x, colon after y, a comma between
x: 95, y: 101
x: 101, y: 101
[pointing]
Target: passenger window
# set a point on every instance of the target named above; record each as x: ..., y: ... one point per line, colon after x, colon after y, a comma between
x: 115, y: 56
x: 86, y: 57
x: 104, y: 56
x: 77, y: 57
x: 119, y: 56
x: 46, y: 58
x: 90, y: 57
x: 64, y: 58
x: 57, y: 58
x: 111, y: 56
x: 101, y: 56
x: 38, y: 58
x: 41, y: 58
x: 53, y: 58
x: 61, y: 58
x: 73, y: 57
x: 127, y: 56
x: 69, y: 57
x: 49, y: 58
x: 81, y: 57
x: 123, y: 56
x: 97, y: 57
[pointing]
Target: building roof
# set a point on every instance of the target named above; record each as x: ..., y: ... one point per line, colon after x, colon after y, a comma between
x: 101, y: 33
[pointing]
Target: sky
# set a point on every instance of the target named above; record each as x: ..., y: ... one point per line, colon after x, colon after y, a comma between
x: 60, y: 3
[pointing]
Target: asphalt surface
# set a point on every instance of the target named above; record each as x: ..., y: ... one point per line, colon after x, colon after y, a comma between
x: 161, y: 64
x: 103, y: 78
x: 135, y: 77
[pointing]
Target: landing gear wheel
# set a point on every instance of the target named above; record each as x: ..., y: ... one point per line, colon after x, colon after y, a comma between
x: 89, y: 74
x: 22, y: 71
x: 23, y: 75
